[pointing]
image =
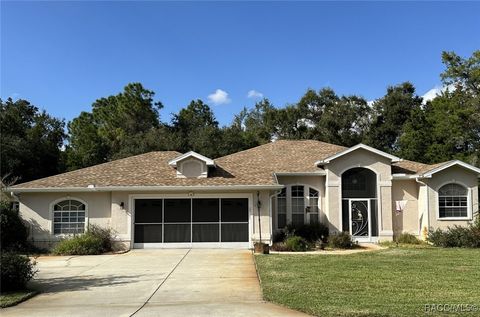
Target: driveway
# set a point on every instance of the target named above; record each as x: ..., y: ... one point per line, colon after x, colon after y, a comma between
x: 178, y: 282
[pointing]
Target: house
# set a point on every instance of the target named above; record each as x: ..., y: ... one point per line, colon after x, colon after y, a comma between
x: 169, y: 199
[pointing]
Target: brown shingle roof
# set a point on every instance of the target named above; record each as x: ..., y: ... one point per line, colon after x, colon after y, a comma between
x: 250, y: 167
x: 411, y: 167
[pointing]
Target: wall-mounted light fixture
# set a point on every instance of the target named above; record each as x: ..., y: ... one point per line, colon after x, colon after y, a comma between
x: 122, y: 205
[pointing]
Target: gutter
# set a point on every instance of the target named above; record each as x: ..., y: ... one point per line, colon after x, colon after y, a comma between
x: 92, y: 188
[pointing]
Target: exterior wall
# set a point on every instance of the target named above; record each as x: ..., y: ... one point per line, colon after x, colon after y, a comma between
x: 408, y: 220
x: 104, y: 209
x: 454, y: 174
x: 360, y: 158
x: 36, y: 209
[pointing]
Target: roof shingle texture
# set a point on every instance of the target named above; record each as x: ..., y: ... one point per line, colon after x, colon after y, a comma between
x: 255, y: 166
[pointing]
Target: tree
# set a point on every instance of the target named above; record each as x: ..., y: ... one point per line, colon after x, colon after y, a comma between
x: 118, y: 126
x: 463, y: 73
x: 389, y: 116
x: 196, y: 129
x: 30, y: 141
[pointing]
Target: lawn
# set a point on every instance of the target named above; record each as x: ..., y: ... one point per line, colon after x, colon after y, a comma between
x: 13, y: 298
x: 391, y: 282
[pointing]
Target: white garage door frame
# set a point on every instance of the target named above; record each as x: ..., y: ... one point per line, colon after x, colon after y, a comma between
x: 198, y: 245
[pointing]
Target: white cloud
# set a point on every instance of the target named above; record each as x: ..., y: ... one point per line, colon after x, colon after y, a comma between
x: 219, y: 97
x: 254, y: 94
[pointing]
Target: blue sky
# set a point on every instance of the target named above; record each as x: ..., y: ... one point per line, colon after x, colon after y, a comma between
x: 62, y: 56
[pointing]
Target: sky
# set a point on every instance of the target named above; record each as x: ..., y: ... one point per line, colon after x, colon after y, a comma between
x: 62, y: 56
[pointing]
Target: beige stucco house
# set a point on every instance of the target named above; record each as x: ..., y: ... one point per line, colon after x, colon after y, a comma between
x: 169, y: 199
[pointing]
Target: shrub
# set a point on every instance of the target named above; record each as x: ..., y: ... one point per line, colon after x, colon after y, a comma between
x: 16, y: 270
x: 341, y: 240
x: 96, y: 240
x: 456, y: 237
x: 13, y: 231
x: 296, y: 243
x: 279, y: 236
x: 407, y: 238
x: 279, y: 246
x: 310, y: 232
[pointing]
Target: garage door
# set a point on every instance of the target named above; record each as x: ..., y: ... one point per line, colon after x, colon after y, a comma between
x: 191, y: 222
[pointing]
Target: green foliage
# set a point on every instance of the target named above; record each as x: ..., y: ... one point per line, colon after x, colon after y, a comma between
x: 16, y: 270
x: 96, y: 240
x: 296, y: 244
x: 456, y: 237
x: 13, y: 231
x: 407, y: 238
x: 310, y: 232
x: 340, y: 240
x: 390, y: 114
x: 30, y: 141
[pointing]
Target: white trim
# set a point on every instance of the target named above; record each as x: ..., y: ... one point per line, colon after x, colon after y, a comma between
x: 319, y: 173
x: 200, y: 157
x: 50, y: 213
x: 251, y: 222
x: 142, y: 188
x: 402, y: 176
x: 469, y: 202
x: 450, y: 164
x: 356, y: 147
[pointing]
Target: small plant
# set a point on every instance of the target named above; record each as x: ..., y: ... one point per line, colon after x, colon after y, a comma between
x: 279, y: 246
x: 455, y: 237
x: 16, y: 270
x: 296, y: 244
x: 407, y: 238
x: 310, y: 232
x: 279, y: 236
x: 96, y: 240
x: 341, y: 240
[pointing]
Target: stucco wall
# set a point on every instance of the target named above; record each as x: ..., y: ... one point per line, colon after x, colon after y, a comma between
x: 453, y: 174
x: 35, y: 209
x: 360, y: 158
x: 407, y: 220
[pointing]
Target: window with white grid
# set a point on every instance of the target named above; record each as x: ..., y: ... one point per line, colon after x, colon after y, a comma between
x: 453, y: 201
x: 282, y: 209
x: 298, y: 205
x: 68, y: 217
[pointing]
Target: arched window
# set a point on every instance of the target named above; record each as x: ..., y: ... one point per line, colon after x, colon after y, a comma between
x: 297, y: 205
x: 282, y: 209
x: 68, y: 217
x: 313, y: 205
x: 453, y: 201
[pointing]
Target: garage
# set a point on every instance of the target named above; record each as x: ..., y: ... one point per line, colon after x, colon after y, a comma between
x: 191, y: 222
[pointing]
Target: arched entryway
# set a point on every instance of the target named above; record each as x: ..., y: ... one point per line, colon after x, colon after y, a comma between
x: 359, y: 203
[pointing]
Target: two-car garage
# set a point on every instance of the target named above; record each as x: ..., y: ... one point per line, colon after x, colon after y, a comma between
x: 191, y: 222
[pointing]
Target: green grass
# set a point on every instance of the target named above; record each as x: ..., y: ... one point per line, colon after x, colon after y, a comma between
x: 391, y: 282
x: 14, y: 298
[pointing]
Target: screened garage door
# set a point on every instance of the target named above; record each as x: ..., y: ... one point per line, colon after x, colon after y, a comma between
x: 208, y: 222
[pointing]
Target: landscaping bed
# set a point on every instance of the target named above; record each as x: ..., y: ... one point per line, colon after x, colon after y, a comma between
x: 397, y: 281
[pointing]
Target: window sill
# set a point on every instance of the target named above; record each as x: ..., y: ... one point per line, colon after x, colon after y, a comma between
x: 454, y: 218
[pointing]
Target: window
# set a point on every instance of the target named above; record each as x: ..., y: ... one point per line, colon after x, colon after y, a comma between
x: 298, y: 205
x: 453, y: 201
x: 313, y: 205
x: 282, y: 209
x: 68, y: 217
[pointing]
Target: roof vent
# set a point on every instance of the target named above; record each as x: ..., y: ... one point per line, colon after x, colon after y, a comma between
x: 192, y: 165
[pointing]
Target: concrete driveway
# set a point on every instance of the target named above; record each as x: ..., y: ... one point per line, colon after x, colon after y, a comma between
x: 177, y: 282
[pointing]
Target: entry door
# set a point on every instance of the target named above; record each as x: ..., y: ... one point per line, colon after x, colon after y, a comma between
x: 360, y: 218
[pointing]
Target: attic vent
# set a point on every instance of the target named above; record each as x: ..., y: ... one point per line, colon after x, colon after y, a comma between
x: 192, y: 165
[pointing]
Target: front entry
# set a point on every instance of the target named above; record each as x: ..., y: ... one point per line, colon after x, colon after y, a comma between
x: 359, y: 204
x: 360, y: 218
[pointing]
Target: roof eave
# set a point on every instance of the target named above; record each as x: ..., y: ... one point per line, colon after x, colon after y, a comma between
x: 450, y: 164
x: 143, y: 188
x: 327, y: 160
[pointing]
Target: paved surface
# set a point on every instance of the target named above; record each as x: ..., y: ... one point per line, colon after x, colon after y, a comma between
x: 149, y: 283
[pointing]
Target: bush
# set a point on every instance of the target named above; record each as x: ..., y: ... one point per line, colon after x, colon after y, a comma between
x: 310, y: 232
x: 456, y: 237
x: 13, y: 231
x: 279, y: 246
x: 95, y: 241
x: 296, y: 243
x: 279, y: 236
x: 341, y: 240
x: 407, y: 238
x: 16, y: 270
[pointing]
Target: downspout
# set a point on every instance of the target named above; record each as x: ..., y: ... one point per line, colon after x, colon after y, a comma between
x: 259, y: 220
x: 428, y: 203
x: 270, y: 213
